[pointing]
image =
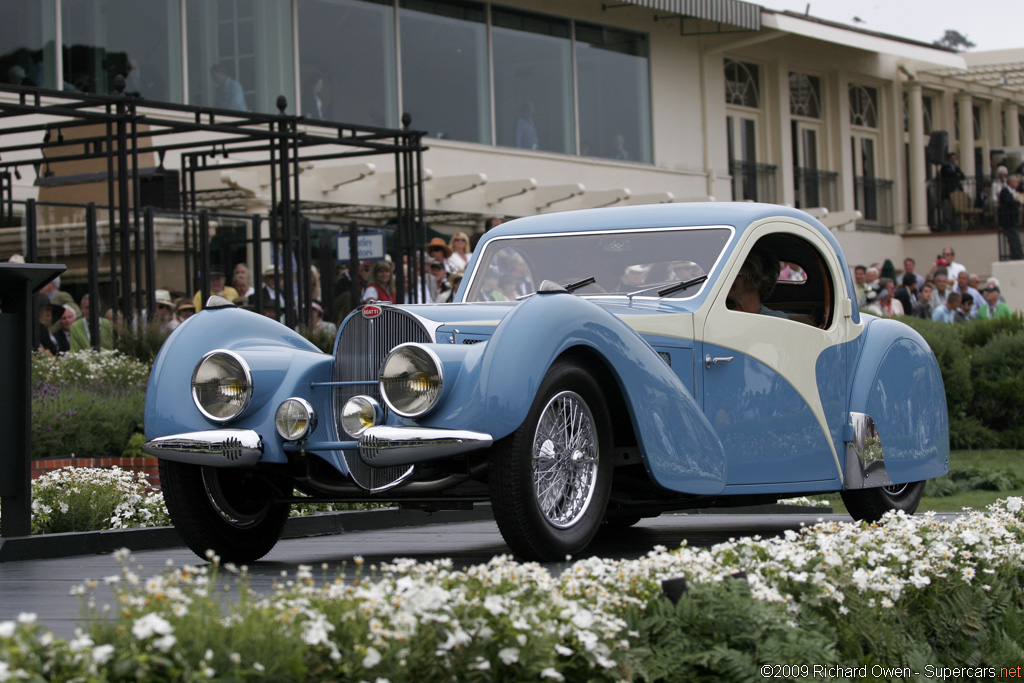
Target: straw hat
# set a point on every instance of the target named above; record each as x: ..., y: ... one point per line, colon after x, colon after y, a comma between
x: 439, y: 242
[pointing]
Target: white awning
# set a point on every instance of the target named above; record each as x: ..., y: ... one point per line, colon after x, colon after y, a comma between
x: 733, y: 12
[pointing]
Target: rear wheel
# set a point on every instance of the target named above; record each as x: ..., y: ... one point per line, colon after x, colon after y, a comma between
x: 550, y: 479
x: 227, y: 511
x: 870, y: 504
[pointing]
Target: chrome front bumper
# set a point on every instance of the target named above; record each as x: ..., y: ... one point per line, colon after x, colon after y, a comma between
x: 214, y: 448
x: 388, y: 446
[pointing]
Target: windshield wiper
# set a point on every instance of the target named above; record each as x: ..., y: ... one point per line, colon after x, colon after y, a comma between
x: 579, y: 284
x: 671, y: 289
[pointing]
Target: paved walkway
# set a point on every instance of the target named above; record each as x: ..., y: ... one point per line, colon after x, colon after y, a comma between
x: 43, y: 586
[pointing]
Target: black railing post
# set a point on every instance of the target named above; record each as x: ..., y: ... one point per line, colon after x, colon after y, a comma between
x: 149, y: 228
x: 31, y: 232
x: 93, y: 261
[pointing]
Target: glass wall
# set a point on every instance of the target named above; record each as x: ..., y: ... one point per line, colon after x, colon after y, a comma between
x: 138, y: 40
x: 445, y: 83
x: 26, y: 44
x: 533, y: 85
x: 347, y: 61
x: 240, y: 54
x: 614, y: 93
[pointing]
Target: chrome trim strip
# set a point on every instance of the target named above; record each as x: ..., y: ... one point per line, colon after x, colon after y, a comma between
x: 213, y: 448
x: 865, y: 460
x: 385, y: 446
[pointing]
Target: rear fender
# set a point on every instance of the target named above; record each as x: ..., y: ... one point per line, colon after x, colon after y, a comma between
x: 897, y: 383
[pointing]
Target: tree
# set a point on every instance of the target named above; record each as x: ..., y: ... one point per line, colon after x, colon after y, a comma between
x: 954, y: 40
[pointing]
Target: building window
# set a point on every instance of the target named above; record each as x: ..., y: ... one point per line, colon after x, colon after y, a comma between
x: 614, y: 93
x: 347, y: 59
x: 864, y: 106
x: 240, y: 54
x: 141, y: 41
x: 805, y: 95
x: 26, y: 44
x: 445, y: 82
x: 742, y: 84
x: 533, y: 81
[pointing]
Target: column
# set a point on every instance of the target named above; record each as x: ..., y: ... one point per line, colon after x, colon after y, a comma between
x: 1011, y: 135
x: 966, y: 108
x: 916, y: 172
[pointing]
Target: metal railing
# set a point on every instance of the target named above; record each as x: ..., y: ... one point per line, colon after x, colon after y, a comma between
x: 873, y: 197
x: 753, y: 182
x: 814, y: 188
x: 959, y: 206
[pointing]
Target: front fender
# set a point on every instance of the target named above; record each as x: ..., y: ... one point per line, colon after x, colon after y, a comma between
x: 498, y: 380
x: 897, y: 382
x: 282, y: 362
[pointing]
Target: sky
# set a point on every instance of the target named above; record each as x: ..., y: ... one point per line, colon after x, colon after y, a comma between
x: 983, y: 22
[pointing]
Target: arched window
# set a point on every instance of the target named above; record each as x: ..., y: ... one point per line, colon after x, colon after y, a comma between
x: 863, y: 106
x: 742, y: 84
x: 804, y: 95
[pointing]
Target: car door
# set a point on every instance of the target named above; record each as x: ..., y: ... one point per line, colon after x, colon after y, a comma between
x: 775, y: 389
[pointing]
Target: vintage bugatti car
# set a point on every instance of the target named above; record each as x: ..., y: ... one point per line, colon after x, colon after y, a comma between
x: 593, y: 370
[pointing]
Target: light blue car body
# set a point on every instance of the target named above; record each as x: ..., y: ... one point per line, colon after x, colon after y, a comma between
x: 743, y: 424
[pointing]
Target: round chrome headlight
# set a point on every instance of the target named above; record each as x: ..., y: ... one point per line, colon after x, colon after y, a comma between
x: 221, y: 385
x: 358, y: 414
x: 295, y: 419
x: 411, y: 380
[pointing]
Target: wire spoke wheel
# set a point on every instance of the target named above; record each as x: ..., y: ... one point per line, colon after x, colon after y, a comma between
x: 550, y: 479
x: 565, y: 459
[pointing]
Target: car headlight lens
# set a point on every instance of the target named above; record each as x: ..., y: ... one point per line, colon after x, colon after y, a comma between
x: 411, y: 380
x: 295, y: 419
x: 221, y: 385
x: 358, y: 414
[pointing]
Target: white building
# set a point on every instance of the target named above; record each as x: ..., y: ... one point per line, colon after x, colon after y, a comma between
x: 536, y: 106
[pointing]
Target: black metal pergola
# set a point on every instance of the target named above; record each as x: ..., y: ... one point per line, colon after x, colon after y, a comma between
x: 63, y: 126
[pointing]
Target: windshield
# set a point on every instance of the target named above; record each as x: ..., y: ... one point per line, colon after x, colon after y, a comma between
x: 620, y: 262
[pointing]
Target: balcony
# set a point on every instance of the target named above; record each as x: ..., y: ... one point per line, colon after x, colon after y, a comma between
x: 873, y: 197
x: 753, y: 182
x: 814, y: 188
x: 958, y: 209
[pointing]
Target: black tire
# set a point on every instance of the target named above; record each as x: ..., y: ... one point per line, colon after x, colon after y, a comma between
x: 223, y: 510
x: 870, y: 504
x: 573, y: 459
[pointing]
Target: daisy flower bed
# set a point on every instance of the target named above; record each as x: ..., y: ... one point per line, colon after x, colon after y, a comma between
x: 908, y: 598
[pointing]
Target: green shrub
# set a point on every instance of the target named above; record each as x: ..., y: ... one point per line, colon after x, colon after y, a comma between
x: 998, y: 375
x: 86, y: 403
x: 972, y: 479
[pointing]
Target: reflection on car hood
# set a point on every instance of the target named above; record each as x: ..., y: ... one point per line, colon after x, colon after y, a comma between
x: 480, y: 316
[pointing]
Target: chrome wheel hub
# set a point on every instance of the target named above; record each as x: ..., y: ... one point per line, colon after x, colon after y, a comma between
x: 565, y: 455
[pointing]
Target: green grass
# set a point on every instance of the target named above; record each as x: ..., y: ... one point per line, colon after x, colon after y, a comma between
x: 1005, y: 462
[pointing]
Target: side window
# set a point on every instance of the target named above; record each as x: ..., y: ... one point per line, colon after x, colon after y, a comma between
x: 786, y: 277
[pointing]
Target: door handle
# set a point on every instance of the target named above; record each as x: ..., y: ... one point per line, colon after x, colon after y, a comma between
x: 709, y: 361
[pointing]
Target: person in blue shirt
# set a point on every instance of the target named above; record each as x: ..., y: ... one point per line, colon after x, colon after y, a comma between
x: 229, y: 94
x: 947, y: 313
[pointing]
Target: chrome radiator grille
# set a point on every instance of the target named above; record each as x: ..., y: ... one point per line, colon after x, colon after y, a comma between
x: 362, y: 347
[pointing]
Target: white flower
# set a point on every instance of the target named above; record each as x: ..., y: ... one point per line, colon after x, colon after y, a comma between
x: 508, y: 655
x: 165, y: 643
x: 371, y: 659
x: 563, y: 650
x: 494, y: 604
x: 1014, y: 503
x: 583, y: 619
x: 151, y: 624
x: 552, y: 674
x: 101, y: 654
x: 7, y: 629
x: 26, y: 618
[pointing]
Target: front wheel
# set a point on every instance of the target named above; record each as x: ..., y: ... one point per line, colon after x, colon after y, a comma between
x: 227, y: 511
x: 870, y: 504
x: 550, y: 479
